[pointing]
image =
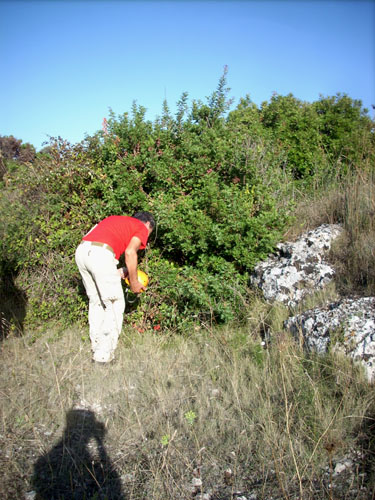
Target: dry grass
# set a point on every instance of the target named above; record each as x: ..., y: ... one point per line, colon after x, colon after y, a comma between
x: 349, y: 201
x: 354, y: 252
x: 212, y: 412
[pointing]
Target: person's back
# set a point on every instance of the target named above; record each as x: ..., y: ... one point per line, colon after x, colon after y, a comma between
x: 117, y: 231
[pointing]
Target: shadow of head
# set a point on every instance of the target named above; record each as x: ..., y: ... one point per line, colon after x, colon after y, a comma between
x: 83, y: 425
x: 78, y: 466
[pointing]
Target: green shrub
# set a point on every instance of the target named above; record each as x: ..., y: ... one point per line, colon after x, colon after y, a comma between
x: 221, y: 187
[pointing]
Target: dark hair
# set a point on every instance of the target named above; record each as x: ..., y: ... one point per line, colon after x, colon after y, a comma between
x: 145, y: 217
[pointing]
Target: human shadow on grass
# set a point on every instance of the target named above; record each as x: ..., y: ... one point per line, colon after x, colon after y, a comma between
x: 78, y: 467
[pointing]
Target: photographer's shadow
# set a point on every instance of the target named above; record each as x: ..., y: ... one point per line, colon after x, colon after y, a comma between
x: 78, y: 467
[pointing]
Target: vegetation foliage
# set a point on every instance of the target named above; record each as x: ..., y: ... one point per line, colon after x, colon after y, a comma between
x: 212, y: 411
x: 222, y: 185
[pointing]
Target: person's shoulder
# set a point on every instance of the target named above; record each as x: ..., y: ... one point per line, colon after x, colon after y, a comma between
x: 140, y: 230
x: 120, y: 221
x: 110, y: 218
x: 118, y: 218
x: 136, y: 222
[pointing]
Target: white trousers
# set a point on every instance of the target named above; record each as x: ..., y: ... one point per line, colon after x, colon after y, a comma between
x: 98, y: 268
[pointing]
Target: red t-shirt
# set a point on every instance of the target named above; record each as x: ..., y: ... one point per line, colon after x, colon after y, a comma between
x: 117, y: 231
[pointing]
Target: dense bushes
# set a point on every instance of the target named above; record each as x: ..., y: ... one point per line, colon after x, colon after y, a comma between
x: 218, y: 183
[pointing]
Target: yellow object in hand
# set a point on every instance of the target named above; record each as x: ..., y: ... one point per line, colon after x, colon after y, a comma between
x: 142, y: 278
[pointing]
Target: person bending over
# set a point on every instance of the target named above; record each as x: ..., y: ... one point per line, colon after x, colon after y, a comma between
x: 97, y: 257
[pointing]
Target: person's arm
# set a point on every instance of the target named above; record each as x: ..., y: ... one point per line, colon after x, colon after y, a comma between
x: 131, y: 261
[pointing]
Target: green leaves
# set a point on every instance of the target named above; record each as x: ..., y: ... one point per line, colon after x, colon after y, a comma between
x: 217, y: 183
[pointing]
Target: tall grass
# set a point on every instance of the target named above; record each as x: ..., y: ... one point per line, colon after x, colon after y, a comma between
x: 348, y: 200
x: 354, y: 253
x: 211, y: 413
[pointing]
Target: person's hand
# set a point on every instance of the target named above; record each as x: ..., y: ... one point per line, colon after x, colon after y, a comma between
x: 137, y: 287
x: 123, y: 272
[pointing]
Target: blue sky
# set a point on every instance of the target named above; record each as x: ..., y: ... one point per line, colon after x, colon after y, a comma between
x: 65, y: 63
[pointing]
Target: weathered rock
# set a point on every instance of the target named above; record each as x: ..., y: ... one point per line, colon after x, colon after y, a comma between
x: 348, y: 325
x: 343, y: 466
x: 30, y: 495
x: 298, y: 268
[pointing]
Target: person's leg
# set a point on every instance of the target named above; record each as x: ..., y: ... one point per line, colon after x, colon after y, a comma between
x: 102, y: 266
x: 96, y: 306
x: 112, y: 324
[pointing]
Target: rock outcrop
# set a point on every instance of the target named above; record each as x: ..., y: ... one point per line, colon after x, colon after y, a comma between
x: 300, y: 268
x: 348, y: 325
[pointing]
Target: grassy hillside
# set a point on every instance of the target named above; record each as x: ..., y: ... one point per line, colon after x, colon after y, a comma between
x: 207, y: 412
x: 211, y: 409
x: 197, y: 407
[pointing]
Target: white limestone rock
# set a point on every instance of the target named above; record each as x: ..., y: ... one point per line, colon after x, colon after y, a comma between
x: 347, y: 325
x: 298, y: 268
